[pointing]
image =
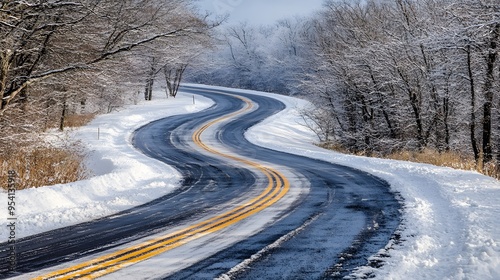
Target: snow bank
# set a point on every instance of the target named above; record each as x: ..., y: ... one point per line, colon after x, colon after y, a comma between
x: 124, y: 177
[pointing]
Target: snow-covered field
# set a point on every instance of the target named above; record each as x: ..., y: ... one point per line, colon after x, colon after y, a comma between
x: 450, y: 228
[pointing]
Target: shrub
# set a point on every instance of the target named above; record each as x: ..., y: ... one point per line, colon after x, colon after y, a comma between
x: 44, y: 166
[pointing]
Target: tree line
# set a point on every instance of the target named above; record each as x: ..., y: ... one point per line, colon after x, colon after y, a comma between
x: 385, y: 76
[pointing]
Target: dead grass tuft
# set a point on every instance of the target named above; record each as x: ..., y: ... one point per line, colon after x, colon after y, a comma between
x: 44, y: 167
x: 451, y: 159
x: 491, y: 169
x: 78, y: 120
x: 448, y: 158
x: 334, y: 147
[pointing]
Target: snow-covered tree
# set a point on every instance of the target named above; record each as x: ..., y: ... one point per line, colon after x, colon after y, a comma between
x: 55, y: 55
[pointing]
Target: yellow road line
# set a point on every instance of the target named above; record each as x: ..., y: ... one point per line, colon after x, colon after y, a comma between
x: 277, y: 187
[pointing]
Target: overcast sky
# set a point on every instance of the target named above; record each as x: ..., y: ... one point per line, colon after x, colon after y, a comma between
x: 260, y: 11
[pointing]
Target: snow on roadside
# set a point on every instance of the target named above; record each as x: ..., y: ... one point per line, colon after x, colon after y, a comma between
x: 124, y: 177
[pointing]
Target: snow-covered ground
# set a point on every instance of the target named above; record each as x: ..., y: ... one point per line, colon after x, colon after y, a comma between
x: 450, y: 228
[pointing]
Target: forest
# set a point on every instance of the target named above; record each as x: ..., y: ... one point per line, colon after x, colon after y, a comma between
x: 386, y: 77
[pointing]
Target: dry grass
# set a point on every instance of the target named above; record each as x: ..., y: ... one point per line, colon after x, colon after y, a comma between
x: 451, y: 159
x: 24, y: 149
x: 78, y: 120
x: 491, y: 169
x: 43, y: 167
x: 448, y: 158
x: 334, y: 147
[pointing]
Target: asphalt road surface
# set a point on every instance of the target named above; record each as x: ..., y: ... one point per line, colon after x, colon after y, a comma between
x: 344, y: 217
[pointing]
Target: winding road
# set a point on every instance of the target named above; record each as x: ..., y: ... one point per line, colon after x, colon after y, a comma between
x: 242, y: 211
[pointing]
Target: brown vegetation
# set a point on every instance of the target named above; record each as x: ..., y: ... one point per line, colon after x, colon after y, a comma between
x: 78, y: 120
x: 453, y: 159
x: 449, y: 158
x: 43, y: 166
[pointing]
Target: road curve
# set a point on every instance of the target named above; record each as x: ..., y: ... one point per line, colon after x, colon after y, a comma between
x: 347, y: 215
x: 277, y: 187
x: 168, y: 137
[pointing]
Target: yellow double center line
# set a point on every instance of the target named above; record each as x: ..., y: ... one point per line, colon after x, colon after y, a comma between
x: 277, y: 187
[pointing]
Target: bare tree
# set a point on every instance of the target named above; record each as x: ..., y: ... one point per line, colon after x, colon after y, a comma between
x: 59, y: 55
x: 42, y: 39
x: 173, y: 77
x: 478, y: 31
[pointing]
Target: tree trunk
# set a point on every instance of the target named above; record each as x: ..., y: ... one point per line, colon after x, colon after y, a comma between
x: 418, y: 120
x: 173, y: 80
x: 63, y: 115
x: 148, y: 91
x: 5, y: 58
x: 472, y: 125
x: 488, y: 95
x: 168, y: 80
x: 446, y: 113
